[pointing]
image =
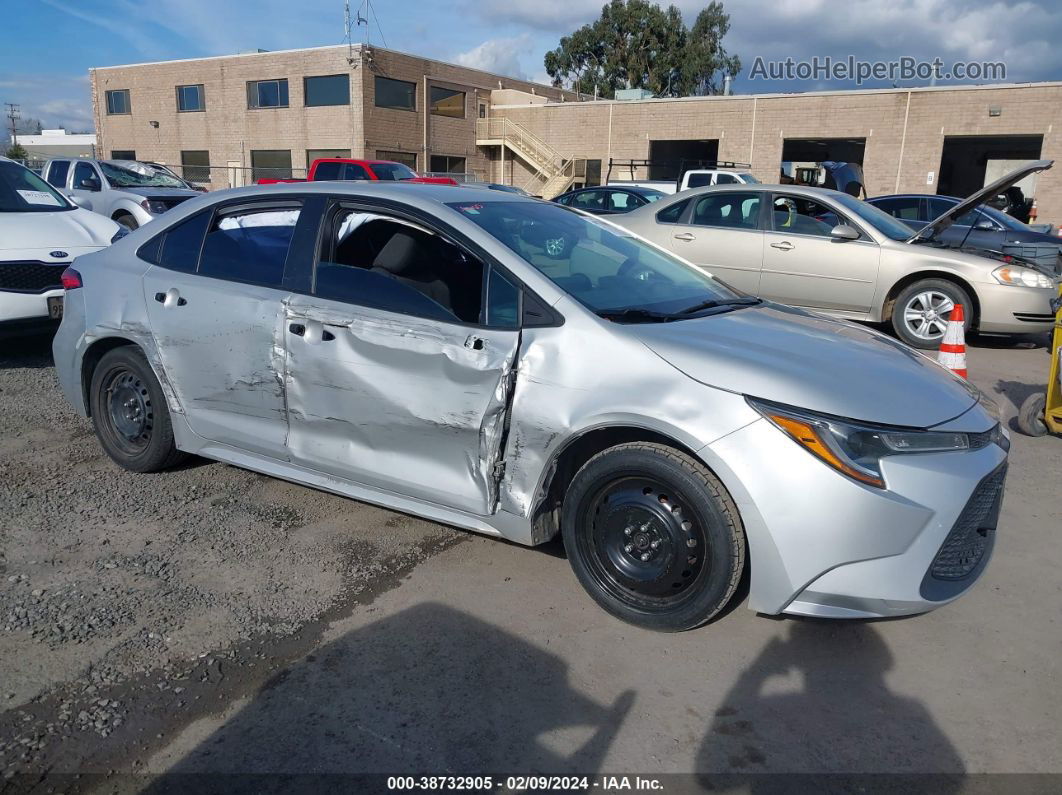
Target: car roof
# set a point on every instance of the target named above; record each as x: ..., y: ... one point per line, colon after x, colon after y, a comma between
x: 810, y: 191
x: 383, y: 189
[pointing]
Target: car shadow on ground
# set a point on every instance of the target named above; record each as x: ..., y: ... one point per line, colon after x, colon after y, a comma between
x: 433, y: 690
x: 25, y: 351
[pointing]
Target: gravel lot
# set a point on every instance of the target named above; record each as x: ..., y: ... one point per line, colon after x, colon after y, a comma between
x: 186, y: 621
x: 120, y: 592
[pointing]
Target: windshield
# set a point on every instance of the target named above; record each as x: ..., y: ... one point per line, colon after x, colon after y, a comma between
x: 651, y: 195
x: 749, y: 179
x: 22, y: 191
x: 879, y: 219
x: 142, y: 177
x: 601, y: 265
x: 1000, y: 217
x: 393, y: 171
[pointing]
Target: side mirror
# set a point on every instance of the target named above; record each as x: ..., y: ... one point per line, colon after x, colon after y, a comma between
x: 79, y: 201
x: 89, y: 183
x: 985, y: 226
x: 844, y: 232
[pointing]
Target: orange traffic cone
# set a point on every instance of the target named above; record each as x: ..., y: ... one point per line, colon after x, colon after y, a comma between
x: 953, y: 346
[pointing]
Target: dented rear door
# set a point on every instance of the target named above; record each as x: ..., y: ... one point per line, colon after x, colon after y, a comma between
x: 406, y: 404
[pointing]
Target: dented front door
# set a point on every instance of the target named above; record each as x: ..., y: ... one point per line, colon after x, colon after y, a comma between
x: 218, y: 342
x: 412, y: 406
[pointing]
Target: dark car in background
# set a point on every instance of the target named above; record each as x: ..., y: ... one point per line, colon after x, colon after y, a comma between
x: 609, y: 200
x: 983, y: 228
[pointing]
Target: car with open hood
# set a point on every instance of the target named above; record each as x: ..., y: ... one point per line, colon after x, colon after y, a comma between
x: 41, y: 231
x: 436, y: 351
x: 127, y: 191
x: 838, y: 255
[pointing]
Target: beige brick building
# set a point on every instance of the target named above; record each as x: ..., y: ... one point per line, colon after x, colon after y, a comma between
x: 271, y: 113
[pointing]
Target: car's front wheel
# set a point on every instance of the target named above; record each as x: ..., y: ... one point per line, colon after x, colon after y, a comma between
x: 920, y: 314
x: 653, y: 536
x: 130, y: 414
x: 128, y: 221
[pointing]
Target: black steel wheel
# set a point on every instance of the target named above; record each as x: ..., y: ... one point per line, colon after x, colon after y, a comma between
x: 653, y: 537
x: 129, y: 412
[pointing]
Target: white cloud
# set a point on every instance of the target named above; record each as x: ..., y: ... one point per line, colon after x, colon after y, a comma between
x: 500, y: 56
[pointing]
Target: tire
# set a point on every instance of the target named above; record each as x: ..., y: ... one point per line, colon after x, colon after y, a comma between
x: 653, y: 536
x: 130, y: 414
x: 936, y: 296
x: 1031, y: 415
x: 128, y: 221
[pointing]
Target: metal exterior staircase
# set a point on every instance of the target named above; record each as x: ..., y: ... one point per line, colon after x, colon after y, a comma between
x: 552, y: 172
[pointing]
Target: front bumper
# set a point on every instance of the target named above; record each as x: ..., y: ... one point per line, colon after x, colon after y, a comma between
x: 1015, y: 310
x: 823, y: 545
x: 16, y: 308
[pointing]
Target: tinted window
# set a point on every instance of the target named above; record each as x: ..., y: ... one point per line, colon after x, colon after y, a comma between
x: 623, y: 202
x: 446, y: 164
x: 698, y: 180
x: 730, y: 210
x: 395, y: 94
x: 180, y: 249
x: 118, y: 101
x: 590, y: 200
x: 672, y: 213
x: 82, y: 172
x: 396, y: 266
x: 447, y: 102
x: 57, y: 172
x: 195, y: 165
x: 725, y: 179
x: 152, y: 250
x: 270, y: 163
x: 503, y: 301
x: 402, y: 169
x: 327, y: 90
x: 190, y: 98
x: 326, y: 171
x: 123, y: 154
x: 905, y: 208
x: 267, y: 94
x: 802, y: 216
x: 249, y: 245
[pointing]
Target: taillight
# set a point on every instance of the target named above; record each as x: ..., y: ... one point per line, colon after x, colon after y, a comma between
x: 70, y: 279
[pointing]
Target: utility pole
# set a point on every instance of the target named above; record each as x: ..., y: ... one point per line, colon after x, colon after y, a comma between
x: 14, y: 115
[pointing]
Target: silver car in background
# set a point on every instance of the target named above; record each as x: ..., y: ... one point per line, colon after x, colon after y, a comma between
x: 440, y: 353
x: 835, y: 254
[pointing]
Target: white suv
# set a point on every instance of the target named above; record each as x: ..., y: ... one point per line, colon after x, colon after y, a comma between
x: 41, y: 231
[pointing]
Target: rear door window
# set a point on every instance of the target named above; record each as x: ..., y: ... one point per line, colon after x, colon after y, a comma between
x: 623, y: 202
x: 729, y: 210
x: 250, y: 243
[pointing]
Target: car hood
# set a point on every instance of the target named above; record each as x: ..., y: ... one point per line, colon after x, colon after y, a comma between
x: 794, y: 357
x: 161, y: 193
x: 938, y: 225
x: 55, y: 231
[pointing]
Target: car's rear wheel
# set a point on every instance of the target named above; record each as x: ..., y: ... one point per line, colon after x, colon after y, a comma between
x: 127, y: 221
x: 130, y: 414
x: 920, y: 313
x: 653, y: 536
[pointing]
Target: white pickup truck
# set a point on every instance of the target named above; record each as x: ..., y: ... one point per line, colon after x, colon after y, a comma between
x: 694, y: 178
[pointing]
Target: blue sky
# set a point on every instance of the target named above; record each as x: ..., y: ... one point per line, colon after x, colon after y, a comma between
x: 47, y: 46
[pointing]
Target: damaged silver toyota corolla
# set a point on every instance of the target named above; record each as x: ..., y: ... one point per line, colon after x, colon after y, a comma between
x: 519, y: 369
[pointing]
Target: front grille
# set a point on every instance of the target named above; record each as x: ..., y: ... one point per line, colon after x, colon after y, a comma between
x: 971, y: 536
x: 31, y: 277
x: 169, y: 204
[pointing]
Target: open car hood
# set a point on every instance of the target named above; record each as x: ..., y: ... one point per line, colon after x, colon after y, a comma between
x: 938, y: 225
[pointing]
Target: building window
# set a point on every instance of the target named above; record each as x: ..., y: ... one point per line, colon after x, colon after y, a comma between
x: 195, y: 165
x: 405, y: 158
x: 447, y: 102
x: 397, y: 94
x: 327, y: 90
x: 444, y: 164
x: 190, y: 98
x: 123, y: 154
x: 482, y: 111
x: 118, y: 102
x: 267, y: 93
x: 270, y: 164
x: 321, y: 154
x: 593, y: 172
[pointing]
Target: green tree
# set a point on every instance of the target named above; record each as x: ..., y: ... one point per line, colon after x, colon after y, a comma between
x: 638, y: 44
x: 16, y: 152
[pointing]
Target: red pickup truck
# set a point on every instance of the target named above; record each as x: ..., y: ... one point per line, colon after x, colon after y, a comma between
x: 345, y: 168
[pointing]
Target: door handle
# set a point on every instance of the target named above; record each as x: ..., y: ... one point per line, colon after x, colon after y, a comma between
x: 297, y: 329
x: 785, y: 245
x: 161, y: 298
x: 685, y: 236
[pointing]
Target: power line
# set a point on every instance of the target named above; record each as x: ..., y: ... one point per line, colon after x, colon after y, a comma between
x: 14, y: 115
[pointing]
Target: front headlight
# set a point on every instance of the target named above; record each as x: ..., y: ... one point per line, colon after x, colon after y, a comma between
x: 1017, y: 276
x: 852, y: 448
x: 154, y: 206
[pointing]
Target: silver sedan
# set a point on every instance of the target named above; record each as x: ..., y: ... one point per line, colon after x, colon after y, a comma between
x: 840, y: 256
x: 519, y: 369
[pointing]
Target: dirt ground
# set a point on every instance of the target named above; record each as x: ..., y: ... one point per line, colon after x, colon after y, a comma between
x: 210, y: 619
